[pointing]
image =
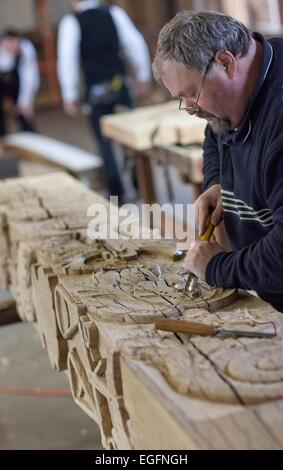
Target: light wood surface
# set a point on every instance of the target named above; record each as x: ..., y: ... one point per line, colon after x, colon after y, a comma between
x: 94, y: 304
x: 153, y: 126
x: 40, y: 148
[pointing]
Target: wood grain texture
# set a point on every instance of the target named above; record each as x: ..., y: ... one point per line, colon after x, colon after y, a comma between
x: 94, y: 303
x: 154, y: 126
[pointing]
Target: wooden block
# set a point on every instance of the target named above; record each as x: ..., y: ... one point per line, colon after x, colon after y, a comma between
x: 162, y: 419
x: 153, y: 126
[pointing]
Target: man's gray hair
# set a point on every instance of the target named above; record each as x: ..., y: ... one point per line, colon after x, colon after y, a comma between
x: 193, y: 38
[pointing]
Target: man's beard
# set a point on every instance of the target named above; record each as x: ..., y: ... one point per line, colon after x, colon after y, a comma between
x: 220, y: 126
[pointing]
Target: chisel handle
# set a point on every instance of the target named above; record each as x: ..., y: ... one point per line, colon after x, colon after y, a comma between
x: 180, y: 326
x: 208, y: 231
x: 202, y: 329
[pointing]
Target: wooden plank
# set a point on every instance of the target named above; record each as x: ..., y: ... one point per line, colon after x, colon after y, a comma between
x: 41, y: 148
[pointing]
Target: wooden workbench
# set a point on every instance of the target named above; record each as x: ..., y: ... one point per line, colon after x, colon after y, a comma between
x: 94, y: 303
x: 159, y: 133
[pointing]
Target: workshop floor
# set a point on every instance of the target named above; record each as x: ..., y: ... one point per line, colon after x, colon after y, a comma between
x: 37, y: 422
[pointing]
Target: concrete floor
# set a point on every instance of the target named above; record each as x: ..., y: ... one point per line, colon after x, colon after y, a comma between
x: 72, y: 130
x: 37, y: 422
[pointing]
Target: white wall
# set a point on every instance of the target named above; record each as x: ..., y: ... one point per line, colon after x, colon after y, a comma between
x: 58, y: 8
x: 18, y: 14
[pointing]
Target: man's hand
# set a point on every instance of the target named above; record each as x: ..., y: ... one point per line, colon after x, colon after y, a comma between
x: 71, y: 108
x: 210, y: 200
x: 199, y: 256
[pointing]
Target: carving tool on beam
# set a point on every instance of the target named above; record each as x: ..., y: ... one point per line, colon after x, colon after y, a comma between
x: 202, y: 329
x: 192, y: 281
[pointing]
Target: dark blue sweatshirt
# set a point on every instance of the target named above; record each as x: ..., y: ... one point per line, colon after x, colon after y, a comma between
x: 248, y: 164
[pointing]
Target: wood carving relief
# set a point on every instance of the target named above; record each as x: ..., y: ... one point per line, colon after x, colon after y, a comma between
x: 94, y: 303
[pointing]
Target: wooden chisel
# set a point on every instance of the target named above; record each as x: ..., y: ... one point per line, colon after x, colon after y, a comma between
x: 202, y: 329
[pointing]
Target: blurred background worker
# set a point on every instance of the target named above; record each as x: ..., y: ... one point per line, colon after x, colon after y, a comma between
x: 103, y: 40
x: 19, y: 78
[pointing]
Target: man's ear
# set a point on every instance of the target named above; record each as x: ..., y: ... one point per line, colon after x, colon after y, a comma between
x: 226, y: 61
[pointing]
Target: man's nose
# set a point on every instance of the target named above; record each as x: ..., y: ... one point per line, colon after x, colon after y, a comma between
x: 189, y: 102
x: 190, y: 106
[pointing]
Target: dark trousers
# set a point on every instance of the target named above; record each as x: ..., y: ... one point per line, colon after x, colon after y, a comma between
x: 112, y: 174
x: 9, y: 88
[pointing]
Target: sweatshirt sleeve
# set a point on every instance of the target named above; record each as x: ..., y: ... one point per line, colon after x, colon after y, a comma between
x: 211, y: 161
x: 259, y: 266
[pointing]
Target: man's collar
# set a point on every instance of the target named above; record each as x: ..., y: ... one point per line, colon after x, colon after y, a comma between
x: 266, y: 62
x: 86, y: 5
x: 245, y: 128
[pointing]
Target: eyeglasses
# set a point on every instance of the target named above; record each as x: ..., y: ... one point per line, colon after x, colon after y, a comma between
x: 195, y: 108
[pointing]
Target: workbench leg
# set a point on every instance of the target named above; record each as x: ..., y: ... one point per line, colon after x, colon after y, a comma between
x: 145, y: 179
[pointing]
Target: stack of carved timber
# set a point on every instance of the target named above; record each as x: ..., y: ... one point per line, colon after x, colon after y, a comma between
x: 89, y: 305
x: 31, y: 210
x: 154, y: 126
x: 104, y: 309
x: 94, y: 304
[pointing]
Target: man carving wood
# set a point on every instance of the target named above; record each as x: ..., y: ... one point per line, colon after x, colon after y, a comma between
x: 223, y: 73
